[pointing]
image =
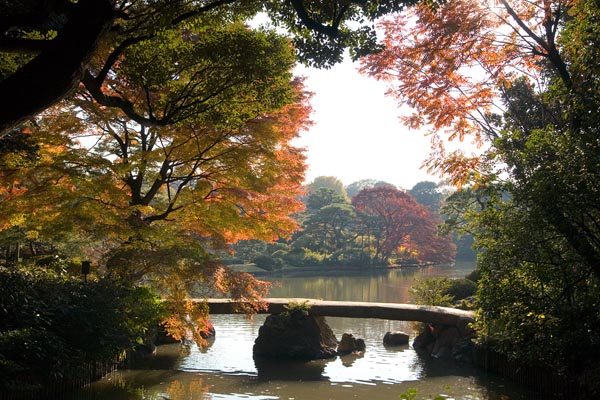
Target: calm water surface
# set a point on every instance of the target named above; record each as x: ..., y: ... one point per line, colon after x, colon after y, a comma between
x: 226, y: 370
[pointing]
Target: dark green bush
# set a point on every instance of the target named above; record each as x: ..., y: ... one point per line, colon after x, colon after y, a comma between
x: 461, y: 289
x: 295, y: 257
x: 52, y: 325
x: 301, y: 257
x: 473, y: 275
x: 265, y: 262
x: 232, y: 260
x: 279, y: 254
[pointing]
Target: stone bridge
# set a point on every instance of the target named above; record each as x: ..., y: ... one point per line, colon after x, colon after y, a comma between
x: 352, y: 309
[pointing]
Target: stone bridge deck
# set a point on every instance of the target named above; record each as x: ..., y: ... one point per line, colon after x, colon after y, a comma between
x: 353, y: 309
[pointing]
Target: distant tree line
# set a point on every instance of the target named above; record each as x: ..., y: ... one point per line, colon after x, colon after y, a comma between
x: 367, y: 223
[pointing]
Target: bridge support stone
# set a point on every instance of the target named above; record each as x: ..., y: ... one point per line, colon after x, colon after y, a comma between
x: 295, y: 335
x: 443, y: 341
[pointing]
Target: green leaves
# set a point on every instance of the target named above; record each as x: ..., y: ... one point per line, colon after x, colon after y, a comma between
x: 411, y: 394
x: 219, y: 75
x: 52, y: 326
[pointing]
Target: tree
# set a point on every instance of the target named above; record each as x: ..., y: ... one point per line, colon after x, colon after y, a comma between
x: 427, y: 193
x: 159, y: 200
x: 556, y: 83
x: 47, y: 47
x: 355, y: 187
x: 400, y: 227
x: 451, y: 63
x: 327, y: 224
x: 535, y: 188
x: 536, y: 296
x: 323, y: 197
x: 327, y: 182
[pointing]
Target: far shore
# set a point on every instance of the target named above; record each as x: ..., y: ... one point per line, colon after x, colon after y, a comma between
x: 324, y: 270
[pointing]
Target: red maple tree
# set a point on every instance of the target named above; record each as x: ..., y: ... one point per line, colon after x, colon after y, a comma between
x: 400, y: 228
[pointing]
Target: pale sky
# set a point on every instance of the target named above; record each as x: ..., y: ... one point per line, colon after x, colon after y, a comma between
x: 356, y: 133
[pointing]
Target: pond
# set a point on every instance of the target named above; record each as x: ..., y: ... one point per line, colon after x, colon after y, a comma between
x: 226, y: 370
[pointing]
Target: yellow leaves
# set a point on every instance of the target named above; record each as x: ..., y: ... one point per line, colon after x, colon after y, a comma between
x: 16, y: 219
x: 32, y: 235
x: 240, y: 286
x: 456, y: 167
x: 188, y: 319
x: 142, y: 209
x: 12, y: 160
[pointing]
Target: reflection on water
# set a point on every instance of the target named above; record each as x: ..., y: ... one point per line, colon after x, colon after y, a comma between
x: 226, y: 369
x: 270, y: 370
x: 378, y: 285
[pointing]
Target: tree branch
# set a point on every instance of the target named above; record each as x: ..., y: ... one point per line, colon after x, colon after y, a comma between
x: 310, y: 23
x: 57, y: 70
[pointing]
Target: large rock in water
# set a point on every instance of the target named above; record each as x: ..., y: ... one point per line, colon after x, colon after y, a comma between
x: 295, y: 335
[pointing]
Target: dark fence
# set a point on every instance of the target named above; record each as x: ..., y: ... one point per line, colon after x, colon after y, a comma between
x: 63, y: 388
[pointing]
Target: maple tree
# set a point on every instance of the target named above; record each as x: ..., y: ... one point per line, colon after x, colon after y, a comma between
x: 153, y: 203
x: 523, y: 76
x: 47, y: 46
x: 400, y: 226
x: 451, y: 64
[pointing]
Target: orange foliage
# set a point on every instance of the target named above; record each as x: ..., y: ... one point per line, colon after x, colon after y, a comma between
x: 189, y: 319
x: 449, y: 64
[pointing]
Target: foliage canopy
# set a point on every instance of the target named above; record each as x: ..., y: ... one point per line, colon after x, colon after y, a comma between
x: 531, y: 198
x: 47, y: 47
x: 153, y: 202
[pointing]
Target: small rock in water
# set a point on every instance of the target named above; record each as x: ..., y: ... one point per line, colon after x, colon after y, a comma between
x: 395, y: 338
x: 350, y: 344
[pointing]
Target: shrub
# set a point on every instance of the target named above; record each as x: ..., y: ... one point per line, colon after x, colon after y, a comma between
x: 473, y: 275
x: 51, y: 325
x: 267, y: 263
x: 443, y: 292
x: 432, y: 292
x: 279, y: 254
x: 461, y: 289
x: 312, y: 258
x: 232, y: 260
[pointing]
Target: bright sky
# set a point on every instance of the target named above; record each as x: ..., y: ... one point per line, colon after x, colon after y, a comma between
x: 356, y: 133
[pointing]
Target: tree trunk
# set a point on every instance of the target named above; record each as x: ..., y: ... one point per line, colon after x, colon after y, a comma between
x: 58, y: 69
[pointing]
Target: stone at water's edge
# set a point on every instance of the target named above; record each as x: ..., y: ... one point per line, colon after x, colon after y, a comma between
x: 295, y: 335
x: 438, y: 340
x: 395, y: 338
x: 209, y: 331
x: 350, y: 344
